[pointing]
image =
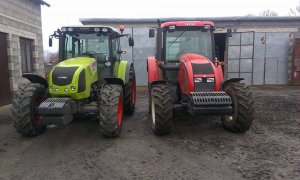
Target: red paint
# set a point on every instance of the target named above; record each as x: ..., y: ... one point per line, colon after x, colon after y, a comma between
x: 37, y: 101
x: 186, y: 76
x: 187, y: 23
x: 120, y: 111
x: 152, y: 70
x: 133, y: 91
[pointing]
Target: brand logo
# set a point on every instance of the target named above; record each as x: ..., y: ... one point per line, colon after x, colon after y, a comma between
x: 62, y: 77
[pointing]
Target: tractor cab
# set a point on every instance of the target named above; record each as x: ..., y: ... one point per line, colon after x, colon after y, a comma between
x: 178, y: 38
x: 99, y: 42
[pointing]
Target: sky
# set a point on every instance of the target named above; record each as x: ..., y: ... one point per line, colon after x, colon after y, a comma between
x: 68, y: 12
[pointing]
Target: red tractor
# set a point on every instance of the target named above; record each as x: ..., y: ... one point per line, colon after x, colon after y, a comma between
x: 186, y: 74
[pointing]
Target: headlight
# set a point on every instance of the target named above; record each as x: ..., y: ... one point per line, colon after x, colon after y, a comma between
x: 66, y: 90
x: 56, y: 90
x: 210, y: 80
x: 197, y: 80
x: 50, y: 88
x: 73, y: 88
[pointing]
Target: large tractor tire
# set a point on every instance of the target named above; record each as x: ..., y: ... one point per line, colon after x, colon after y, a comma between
x: 161, y: 109
x: 130, y: 92
x: 111, y: 110
x: 242, y: 117
x: 26, y: 118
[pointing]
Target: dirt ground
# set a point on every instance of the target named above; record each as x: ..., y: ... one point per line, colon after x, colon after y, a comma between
x: 197, y: 148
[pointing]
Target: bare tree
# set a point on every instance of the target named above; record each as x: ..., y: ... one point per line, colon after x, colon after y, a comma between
x: 268, y: 13
x: 296, y: 11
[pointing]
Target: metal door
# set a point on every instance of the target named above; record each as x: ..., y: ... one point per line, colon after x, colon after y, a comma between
x: 270, y: 58
x: 240, y: 54
x: 4, y: 73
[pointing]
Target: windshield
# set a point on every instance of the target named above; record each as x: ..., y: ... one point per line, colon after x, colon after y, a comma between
x: 76, y: 44
x: 180, y: 42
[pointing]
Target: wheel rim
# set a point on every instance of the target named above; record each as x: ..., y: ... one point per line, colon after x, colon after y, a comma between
x: 133, y: 91
x: 153, y: 110
x: 120, y: 111
x: 35, y: 104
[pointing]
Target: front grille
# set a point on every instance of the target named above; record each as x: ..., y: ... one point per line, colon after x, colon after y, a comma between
x: 204, y: 86
x: 81, y: 81
x: 202, y: 68
x: 62, y: 76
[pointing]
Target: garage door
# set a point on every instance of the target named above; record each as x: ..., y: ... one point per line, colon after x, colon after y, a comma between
x: 4, y: 73
x: 240, y: 56
x: 259, y: 58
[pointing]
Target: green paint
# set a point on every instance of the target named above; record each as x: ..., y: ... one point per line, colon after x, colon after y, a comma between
x: 120, y: 70
x: 91, y: 76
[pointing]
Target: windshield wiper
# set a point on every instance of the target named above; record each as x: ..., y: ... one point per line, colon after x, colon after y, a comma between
x: 176, y: 39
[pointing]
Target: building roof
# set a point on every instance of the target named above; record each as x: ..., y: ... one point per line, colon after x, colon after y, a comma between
x: 220, y: 22
x: 214, y: 19
x: 42, y: 2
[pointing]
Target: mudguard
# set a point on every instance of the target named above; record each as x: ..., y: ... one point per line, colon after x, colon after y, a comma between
x: 152, y: 70
x: 118, y: 81
x: 122, y: 70
x: 232, y: 80
x: 34, y: 78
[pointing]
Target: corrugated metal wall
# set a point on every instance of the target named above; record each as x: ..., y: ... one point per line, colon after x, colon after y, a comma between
x: 259, y: 58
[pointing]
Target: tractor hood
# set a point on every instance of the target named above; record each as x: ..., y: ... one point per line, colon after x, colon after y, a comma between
x: 73, y: 77
x: 194, y: 58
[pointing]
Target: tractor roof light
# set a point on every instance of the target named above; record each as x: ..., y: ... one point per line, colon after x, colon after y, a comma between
x: 63, y: 29
x: 122, y: 28
x: 96, y: 29
x: 171, y: 27
x: 206, y: 26
x: 104, y: 30
x: 70, y: 29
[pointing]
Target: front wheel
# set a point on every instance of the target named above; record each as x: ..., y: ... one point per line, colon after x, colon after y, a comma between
x: 26, y: 118
x: 111, y: 110
x: 241, y: 118
x: 161, y: 109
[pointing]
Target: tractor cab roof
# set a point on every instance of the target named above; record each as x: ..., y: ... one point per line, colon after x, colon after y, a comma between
x: 188, y: 23
x: 91, y: 29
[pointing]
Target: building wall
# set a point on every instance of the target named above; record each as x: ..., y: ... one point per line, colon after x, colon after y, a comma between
x: 21, y: 18
x: 271, y: 29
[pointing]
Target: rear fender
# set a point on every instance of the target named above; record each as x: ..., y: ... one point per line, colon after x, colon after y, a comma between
x: 233, y: 80
x: 34, y: 78
x: 158, y: 82
x: 117, y: 81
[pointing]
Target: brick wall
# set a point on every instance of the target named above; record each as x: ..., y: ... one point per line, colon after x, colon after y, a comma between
x: 21, y: 18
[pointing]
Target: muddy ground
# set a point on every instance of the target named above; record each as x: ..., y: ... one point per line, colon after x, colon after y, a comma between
x: 197, y: 149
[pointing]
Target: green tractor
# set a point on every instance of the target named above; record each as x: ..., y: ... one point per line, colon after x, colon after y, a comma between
x: 90, y: 78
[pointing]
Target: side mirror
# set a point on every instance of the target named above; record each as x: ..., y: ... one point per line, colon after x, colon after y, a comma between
x: 50, y: 41
x: 151, y: 33
x: 131, y: 41
x: 229, y: 32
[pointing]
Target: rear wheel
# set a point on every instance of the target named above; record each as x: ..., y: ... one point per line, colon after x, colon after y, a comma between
x: 242, y: 117
x: 111, y: 110
x: 130, y: 92
x: 161, y: 109
x: 27, y: 120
